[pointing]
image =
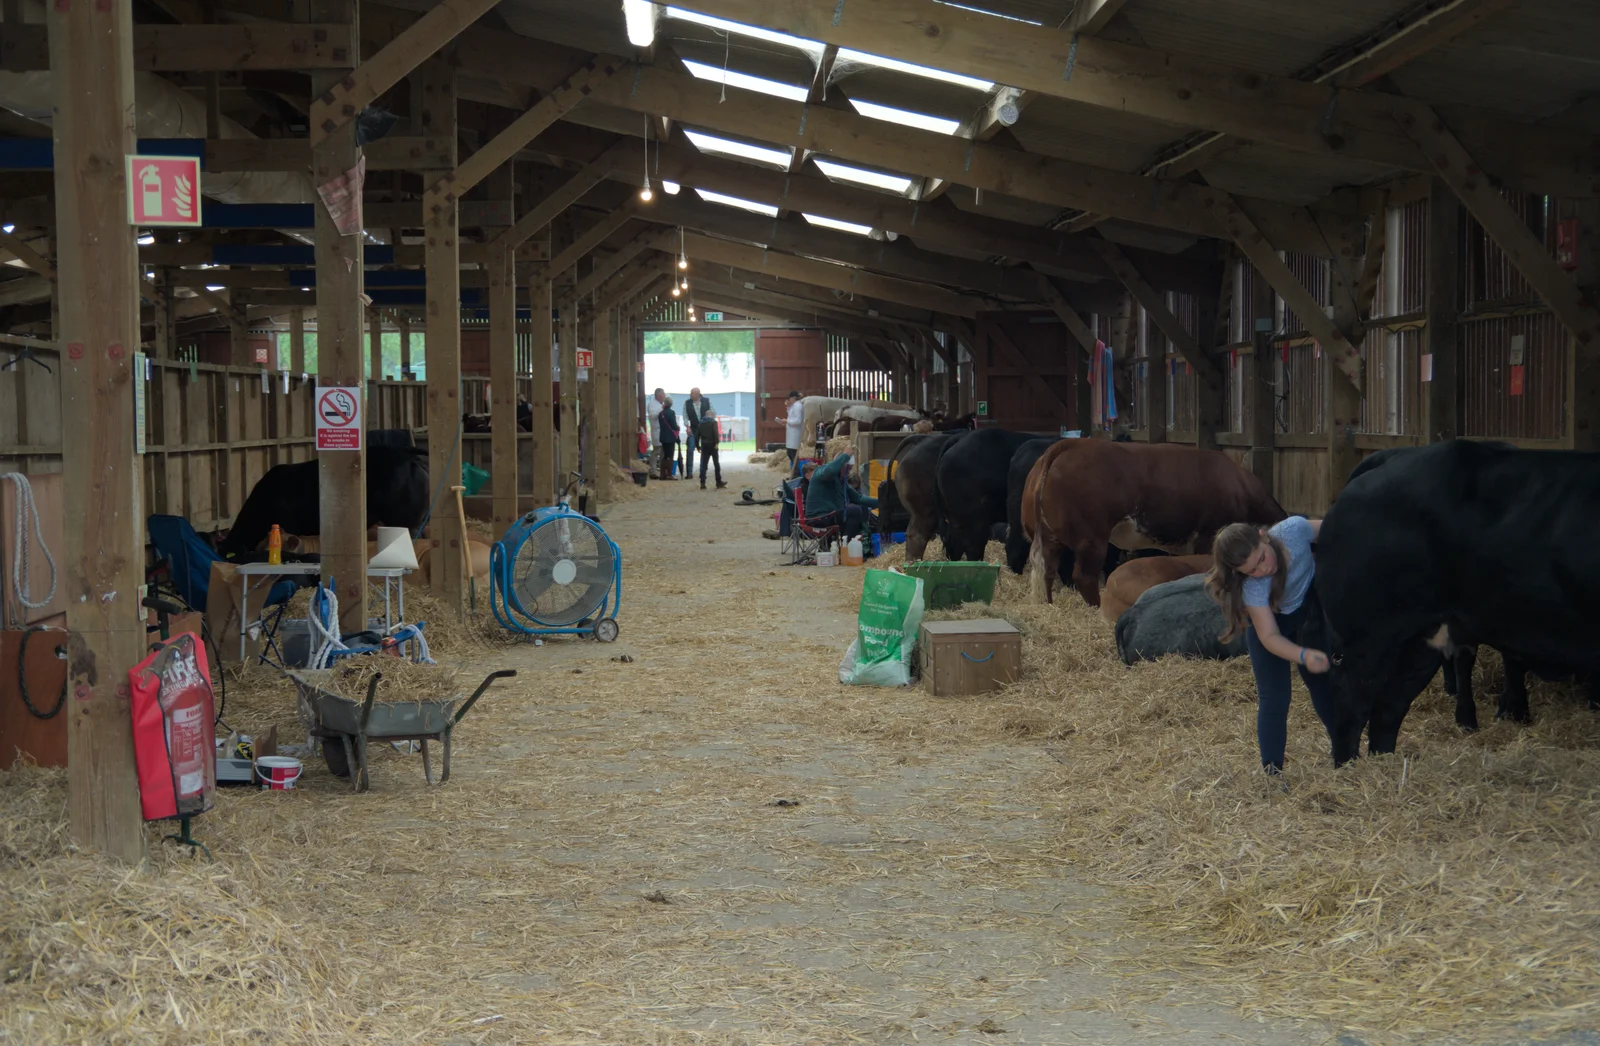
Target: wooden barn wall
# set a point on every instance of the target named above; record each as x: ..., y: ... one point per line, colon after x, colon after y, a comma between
x: 212, y: 431
x: 1037, y: 393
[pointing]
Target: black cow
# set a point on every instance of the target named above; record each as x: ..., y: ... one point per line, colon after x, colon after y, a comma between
x: 1460, y: 539
x: 916, y: 478
x: 288, y: 495
x: 1460, y: 657
x: 972, y: 488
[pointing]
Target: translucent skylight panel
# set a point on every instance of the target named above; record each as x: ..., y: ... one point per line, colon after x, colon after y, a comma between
x: 734, y: 201
x: 895, y: 183
x: 986, y: 11
x: 890, y: 114
x: 811, y: 47
x: 847, y: 55
x: 835, y: 223
x: 710, y: 143
x: 792, y: 92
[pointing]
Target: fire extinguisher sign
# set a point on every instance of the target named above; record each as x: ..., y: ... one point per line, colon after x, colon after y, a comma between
x: 163, y: 190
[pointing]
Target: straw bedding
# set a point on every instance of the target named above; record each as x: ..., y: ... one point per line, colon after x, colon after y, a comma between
x: 1449, y: 886
x: 560, y: 882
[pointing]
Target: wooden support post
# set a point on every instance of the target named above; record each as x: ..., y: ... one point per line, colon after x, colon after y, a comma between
x: 340, y: 102
x: 297, y: 341
x: 567, y: 345
x: 1158, y: 378
x: 1343, y: 408
x: 600, y: 396
x: 406, y: 373
x: 165, y: 345
x: 1464, y: 174
x: 543, y: 444
x: 91, y: 53
x: 1442, y: 302
x: 1583, y: 366
x: 440, y: 212
x: 340, y: 362
x: 375, y: 344
x: 239, y: 354
x: 586, y: 395
x: 1155, y: 305
x: 503, y: 465
x: 1260, y: 381
x: 1210, y: 397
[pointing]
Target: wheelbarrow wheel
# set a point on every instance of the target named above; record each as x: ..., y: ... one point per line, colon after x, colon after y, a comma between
x: 334, y: 755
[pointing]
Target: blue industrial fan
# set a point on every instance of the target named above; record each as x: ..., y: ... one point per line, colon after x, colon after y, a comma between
x: 556, y: 573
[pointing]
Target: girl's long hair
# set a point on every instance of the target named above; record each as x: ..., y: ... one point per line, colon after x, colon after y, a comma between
x: 1233, y: 545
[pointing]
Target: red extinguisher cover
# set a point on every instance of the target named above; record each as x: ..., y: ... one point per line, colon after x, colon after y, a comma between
x: 174, y: 738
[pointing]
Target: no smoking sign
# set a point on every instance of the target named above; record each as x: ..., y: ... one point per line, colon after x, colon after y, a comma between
x: 339, y: 419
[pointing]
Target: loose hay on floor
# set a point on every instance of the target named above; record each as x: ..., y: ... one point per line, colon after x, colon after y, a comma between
x: 1448, y: 888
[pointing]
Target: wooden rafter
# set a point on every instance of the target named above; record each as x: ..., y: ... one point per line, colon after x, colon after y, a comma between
x: 1181, y: 90
x: 1168, y: 203
x: 1465, y: 176
x: 342, y: 102
x: 1155, y: 305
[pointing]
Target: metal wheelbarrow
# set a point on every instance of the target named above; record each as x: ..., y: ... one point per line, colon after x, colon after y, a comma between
x: 345, y: 725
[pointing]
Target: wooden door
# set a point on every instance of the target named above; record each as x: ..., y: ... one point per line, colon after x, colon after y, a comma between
x: 786, y: 360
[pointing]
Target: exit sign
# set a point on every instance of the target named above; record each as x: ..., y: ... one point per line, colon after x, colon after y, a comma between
x: 983, y: 408
x: 713, y: 317
x: 163, y: 190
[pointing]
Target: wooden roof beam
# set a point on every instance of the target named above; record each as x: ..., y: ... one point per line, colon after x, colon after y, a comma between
x: 1168, y: 203
x: 342, y: 102
x: 1461, y: 171
x: 1179, y: 89
x: 1155, y: 305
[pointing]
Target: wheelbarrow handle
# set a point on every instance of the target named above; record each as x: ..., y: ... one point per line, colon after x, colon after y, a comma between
x: 366, y: 706
x: 504, y: 673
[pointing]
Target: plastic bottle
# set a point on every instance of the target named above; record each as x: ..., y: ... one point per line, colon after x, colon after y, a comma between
x: 275, y: 546
x: 853, y: 553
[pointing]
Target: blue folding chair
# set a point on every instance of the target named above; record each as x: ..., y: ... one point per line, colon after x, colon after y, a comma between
x: 189, y: 558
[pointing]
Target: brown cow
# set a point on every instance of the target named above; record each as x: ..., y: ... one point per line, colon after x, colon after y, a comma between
x: 1085, y: 494
x: 1133, y: 578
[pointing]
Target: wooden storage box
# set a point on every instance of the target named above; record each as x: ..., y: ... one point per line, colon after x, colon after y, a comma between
x: 957, y: 658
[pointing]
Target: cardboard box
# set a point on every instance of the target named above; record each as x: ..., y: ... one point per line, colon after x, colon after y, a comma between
x: 959, y: 658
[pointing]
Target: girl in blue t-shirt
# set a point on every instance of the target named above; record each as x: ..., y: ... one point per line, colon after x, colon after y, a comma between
x: 1261, y: 577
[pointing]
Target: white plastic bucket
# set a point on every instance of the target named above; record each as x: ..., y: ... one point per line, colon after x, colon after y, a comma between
x: 278, y: 772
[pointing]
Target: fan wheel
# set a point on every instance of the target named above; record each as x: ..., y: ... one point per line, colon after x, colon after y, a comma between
x: 606, y: 630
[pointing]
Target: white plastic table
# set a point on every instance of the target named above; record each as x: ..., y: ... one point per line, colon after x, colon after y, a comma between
x: 268, y: 575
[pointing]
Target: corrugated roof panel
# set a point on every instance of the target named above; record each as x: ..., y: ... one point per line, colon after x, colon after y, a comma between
x: 1277, y: 174
x: 1532, y: 60
x: 590, y: 26
x: 1267, y: 36
x: 1092, y: 135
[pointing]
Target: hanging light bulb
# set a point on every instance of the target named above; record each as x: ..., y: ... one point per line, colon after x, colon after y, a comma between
x: 683, y: 255
x: 676, y: 291
x: 645, y: 192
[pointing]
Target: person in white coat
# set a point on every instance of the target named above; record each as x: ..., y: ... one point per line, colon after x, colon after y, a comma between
x: 793, y: 424
x: 652, y: 416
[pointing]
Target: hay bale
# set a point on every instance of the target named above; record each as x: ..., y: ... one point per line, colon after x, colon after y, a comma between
x: 837, y: 445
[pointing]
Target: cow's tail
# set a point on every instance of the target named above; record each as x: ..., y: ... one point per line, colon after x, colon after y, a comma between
x: 1038, y: 562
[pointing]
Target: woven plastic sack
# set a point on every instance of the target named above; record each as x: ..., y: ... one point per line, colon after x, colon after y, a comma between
x: 886, y: 631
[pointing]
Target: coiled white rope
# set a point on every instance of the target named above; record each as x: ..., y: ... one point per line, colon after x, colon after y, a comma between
x: 20, y: 581
x: 325, y: 643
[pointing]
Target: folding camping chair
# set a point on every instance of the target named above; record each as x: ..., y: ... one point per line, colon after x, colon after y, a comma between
x: 188, y: 561
x: 807, y: 540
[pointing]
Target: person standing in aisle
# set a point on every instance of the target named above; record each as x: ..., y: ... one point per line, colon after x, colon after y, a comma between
x: 652, y: 420
x: 793, y: 422
x: 668, y: 436
x: 692, y: 410
x: 709, y: 437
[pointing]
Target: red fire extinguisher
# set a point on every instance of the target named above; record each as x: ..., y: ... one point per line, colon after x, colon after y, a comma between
x: 174, y: 736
